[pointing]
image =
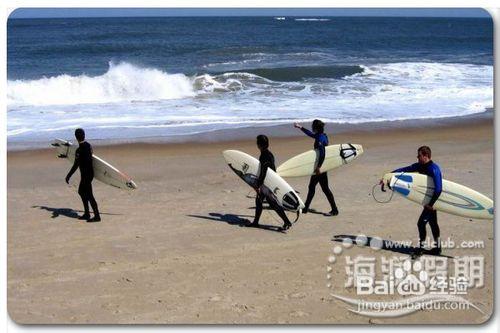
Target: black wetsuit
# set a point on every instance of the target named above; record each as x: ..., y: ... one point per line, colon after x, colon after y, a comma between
x: 266, y: 160
x: 83, y: 161
x: 320, y: 142
x: 432, y: 170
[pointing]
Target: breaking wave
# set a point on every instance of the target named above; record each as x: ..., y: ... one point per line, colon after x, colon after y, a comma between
x: 121, y: 83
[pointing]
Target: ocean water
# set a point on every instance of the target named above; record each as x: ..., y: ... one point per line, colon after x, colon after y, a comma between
x: 132, y: 78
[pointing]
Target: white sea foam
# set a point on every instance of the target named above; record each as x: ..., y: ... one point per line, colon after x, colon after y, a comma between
x: 121, y: 83
x: 129, y: 101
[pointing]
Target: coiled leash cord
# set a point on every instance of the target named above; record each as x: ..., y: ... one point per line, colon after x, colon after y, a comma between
x: 382, y: 189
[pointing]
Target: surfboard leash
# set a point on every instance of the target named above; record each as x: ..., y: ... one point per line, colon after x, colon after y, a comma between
x: 390, y: 197
x: 380, y: 201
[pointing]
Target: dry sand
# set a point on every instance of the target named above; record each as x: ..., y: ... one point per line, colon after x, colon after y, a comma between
x: 175, y: 250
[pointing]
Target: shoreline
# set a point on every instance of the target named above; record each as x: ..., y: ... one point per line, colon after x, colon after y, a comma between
x: 281, y: 131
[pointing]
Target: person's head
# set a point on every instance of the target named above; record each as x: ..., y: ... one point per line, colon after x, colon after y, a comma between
x: 80, y: 134
x: 262, y: 142
x: 424, y: 154
x: 318, y: 126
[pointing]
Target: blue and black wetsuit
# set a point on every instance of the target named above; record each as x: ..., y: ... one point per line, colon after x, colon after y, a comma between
x: 320, y: 142
x: 266, y: 160
x: 83, y: 161
x: 432, y: 170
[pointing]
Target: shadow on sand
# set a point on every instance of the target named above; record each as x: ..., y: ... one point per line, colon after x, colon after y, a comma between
x: 237, y: 220
x: 388, y: 245
x: 67, y: 212
x: 314, y: 211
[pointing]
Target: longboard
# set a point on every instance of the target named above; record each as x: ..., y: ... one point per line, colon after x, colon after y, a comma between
x: 274, y: 188
x: 103, y: 171
x: 455, y: 199
x: 335, y: 156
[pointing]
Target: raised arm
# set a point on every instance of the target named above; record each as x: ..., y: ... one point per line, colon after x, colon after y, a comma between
x: 305, y: 130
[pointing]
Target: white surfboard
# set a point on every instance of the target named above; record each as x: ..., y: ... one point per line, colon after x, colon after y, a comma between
x: 455, y: 199
x: 103, y: 171
x: 305, y: 163
x: 274, y: 187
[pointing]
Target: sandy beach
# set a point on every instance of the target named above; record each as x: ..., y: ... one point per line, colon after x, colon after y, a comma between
x: 177, y: 250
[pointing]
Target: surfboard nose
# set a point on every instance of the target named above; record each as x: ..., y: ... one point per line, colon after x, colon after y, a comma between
x: 229, y: 156
x: 132, y: 185
x: 228, y: 153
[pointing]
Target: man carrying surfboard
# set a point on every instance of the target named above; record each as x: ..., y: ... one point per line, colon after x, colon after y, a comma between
x: 266, y: 160
x: 320, y: 142
x: 426, y: 166
x: 83, y: 161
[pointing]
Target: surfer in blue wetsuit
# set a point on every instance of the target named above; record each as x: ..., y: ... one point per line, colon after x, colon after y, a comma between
x: 83, y: 161
x: 320, y: 142
x: 266, y: 160
x: 429, y: 215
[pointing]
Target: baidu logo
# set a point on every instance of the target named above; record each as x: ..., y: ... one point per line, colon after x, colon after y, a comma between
x: 408, y: 284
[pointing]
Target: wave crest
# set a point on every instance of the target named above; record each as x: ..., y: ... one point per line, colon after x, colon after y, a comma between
x: 123, y: 82
x: 299, y: 73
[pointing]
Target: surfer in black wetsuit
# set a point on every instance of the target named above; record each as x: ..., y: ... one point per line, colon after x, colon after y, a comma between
x: 320, y: 142
x: 429, y: 215
x: 266, y: 160
x: 83, y: 160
